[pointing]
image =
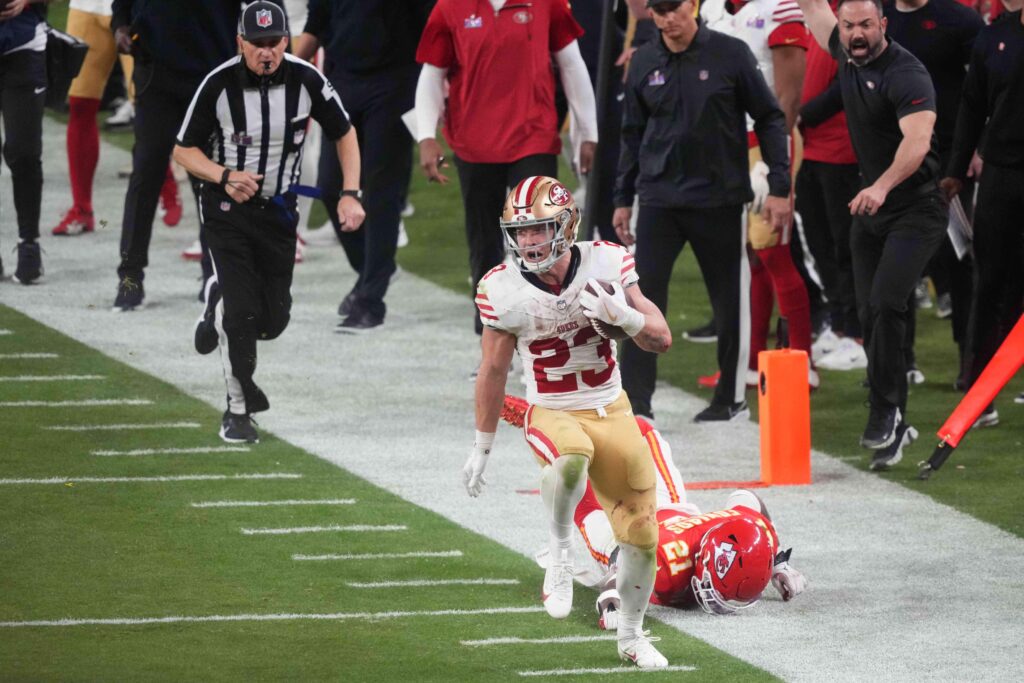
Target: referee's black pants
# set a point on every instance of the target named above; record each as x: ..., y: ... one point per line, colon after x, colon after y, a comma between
x: 890, y: 251
x: 484, y: 189
x: 253, y: 251
x: 375, y: 104
x: 718, y: 237
x: 22, y: 96
x: 161, y: 100
x: 999, y: 262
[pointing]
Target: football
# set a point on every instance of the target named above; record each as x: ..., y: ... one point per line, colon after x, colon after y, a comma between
x: 602, y: 328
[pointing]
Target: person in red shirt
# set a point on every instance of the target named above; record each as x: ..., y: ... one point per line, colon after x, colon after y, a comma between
x: 499, y: 117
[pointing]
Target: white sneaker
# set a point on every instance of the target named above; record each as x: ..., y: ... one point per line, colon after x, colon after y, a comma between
x: 639, y: 650
x: 194, y: 252
x: 123, y: 117
x: 557, y: 591
x: 849, y: 355
x: 989, y: 418
x: 403, y: 236
x: 408, y: 210
x: 915, y: 376
x: 827, y: 342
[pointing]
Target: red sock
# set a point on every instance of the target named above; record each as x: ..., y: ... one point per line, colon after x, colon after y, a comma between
x: 792, y: 294
x: 761, y: 304
x: 586, y: 505
x: 83, y: 149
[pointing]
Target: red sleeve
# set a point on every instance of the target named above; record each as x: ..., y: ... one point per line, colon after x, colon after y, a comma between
x: 563, y: 29
x: 792, y: 33
x: 437, y: 46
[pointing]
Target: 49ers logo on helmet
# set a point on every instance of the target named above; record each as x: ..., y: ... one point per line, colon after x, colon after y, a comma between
x: 724, y: 557
x: 558, y: 195
x: 264, y: 18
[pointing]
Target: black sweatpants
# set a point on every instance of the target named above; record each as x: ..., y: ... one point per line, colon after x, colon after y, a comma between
x: 22, y: 96
x: 253, y: 251
x: 719, y: 240
x: 375, y: 104
x: 890, y: 251
x: 999, y: 262
x: 484, y: 189
x: 823, y: 192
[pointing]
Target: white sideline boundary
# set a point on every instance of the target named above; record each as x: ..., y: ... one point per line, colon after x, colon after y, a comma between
x: 378, y: 556
x: 122, y: 427
x: 51, y: 378
x: 431, y: 583
x: 173, y: 451
x: 28, y: 356
x: 487, y: 642
x: 357, y: 528
x: 83, y: 403
x: 213, y: 618
x: 269, y: 503
x: 134, y: 480
x: 604, y: 671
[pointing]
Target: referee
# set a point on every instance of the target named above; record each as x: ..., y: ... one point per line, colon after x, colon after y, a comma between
x: 899, y: 214
x: 254, y: 109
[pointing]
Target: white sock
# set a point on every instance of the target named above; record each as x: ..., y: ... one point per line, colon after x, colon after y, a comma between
x: 566, y: 482
x: 634, y: 581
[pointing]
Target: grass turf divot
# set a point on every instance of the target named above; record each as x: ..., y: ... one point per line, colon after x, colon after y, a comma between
x: 106, y: 580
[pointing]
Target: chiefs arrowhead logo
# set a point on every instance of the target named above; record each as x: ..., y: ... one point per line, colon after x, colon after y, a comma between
x: 558, y: 195
x: 724, y: 557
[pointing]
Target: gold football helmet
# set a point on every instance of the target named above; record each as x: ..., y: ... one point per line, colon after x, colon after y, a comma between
x: 540, y: 202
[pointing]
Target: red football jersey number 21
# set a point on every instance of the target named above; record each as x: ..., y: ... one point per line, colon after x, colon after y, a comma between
x: 560, y: 352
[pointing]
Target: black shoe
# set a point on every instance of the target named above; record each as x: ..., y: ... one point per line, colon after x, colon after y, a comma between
x: 705, y: 334
x: 359, y: 321
x: 206, y: 336
x: 30, y: 263
x: 238, y: 429
x: 717, y: 412
x: 884, y: 458
x: 130, y: 294
x: 345, y: 308
x: 880, y: 430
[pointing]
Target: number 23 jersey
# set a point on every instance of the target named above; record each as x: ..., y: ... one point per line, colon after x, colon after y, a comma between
x: 567, y: 365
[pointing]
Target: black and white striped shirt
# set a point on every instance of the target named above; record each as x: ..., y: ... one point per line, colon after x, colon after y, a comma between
x: 258, y: 124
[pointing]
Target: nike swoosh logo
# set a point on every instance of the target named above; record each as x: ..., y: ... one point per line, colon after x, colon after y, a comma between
x: 790, y: 41
x: 917, y: 102
x: 39, y: 90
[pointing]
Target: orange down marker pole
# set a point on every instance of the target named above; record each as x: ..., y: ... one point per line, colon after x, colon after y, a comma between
x: 784, y: 400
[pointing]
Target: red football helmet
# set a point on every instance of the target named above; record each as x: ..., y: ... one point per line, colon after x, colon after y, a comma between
x: 734, y: 565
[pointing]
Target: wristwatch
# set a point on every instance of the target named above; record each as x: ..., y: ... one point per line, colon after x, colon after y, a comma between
x: 357, y: 194
x: 224, y: 177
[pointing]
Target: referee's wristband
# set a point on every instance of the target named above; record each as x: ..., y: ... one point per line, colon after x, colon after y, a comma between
x: 356, y: 194
x: 224, y: 177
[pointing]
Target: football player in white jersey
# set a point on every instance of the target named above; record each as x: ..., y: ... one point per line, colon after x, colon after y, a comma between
x: 579, y: 421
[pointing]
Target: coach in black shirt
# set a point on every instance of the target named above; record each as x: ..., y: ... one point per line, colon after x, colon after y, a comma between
x: 255, y: 108
x: 899, y: 215
x: 684, y: 152
x: 993, y: 104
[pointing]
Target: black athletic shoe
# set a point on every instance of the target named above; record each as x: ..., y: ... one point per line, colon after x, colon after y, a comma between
x: 880, y: 430
x: 884, y: 458
x: 238, y: 429
x: 346, y: 306
x: 359, y: 321
x: 717, y: 412
x: 130, y: 294
x: 30, y: 263
x: 206, y: 336
x: 705, y: 334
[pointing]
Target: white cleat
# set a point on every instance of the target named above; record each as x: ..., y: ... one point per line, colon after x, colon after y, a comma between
x: 639, y: 650
x: 849, y: 355
x: 557, y: 591
x: 827, y: 342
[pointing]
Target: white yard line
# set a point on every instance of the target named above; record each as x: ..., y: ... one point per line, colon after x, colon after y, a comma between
x: 27, y: 356
x: 430, y: 583
x: 330, y: 616
x: 4, y: 332
x: 269, y: 503
x: 174, y: 451
x: 622, y: 670
x: 123, y: 427
x: 321, y: 529
x: 134, y: 480
x: 536, y: 641
x: 378, y: 556
x: 83, y: 403
x: 51, y: 378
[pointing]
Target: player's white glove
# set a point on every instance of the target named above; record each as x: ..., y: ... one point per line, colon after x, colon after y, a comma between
x: 789, y: 582
x: 612, y: 308
x: 759, y: 183
x: 473, y: 470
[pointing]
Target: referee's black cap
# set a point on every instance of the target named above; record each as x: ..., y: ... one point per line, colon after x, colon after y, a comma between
x: 263, y: 19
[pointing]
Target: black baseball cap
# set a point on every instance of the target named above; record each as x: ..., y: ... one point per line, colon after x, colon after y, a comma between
x: 263, y: 19
x: 652, y: 3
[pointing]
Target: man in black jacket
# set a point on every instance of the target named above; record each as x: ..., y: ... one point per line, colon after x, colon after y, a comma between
x: 684, y: 152
x: 175, y: 45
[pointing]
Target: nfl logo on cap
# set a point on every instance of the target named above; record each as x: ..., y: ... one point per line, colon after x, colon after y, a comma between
x: 264, y: 18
